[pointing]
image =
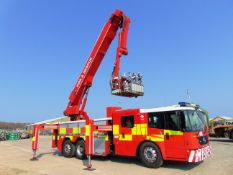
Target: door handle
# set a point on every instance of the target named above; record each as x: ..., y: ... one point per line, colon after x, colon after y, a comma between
x: 167, y: 136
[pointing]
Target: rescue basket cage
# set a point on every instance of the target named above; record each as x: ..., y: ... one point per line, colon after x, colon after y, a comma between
x: 127, y: 85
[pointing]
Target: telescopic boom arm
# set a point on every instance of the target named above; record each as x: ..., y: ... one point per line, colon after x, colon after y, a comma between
x: 78, y: 96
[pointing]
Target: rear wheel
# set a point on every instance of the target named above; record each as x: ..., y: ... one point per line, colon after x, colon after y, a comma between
x: 80, y: 150
x: 68, y: 149
x: 150, y: 155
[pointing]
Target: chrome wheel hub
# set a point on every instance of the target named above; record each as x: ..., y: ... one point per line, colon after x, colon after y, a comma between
x: 150, y: 154
x: 67, y: 148
x: 80, y: 150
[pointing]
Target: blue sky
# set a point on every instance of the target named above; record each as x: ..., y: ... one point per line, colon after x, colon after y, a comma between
x: 176, y: 45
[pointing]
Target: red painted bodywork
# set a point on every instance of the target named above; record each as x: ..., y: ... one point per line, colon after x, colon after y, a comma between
x: 177, y: 147
x: 125, y: 142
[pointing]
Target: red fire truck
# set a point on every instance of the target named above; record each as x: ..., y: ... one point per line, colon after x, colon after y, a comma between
x: 176, y: 132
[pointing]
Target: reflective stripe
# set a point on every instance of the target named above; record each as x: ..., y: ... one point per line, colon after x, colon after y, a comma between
x: 127, y: 137
x: 76, y: 130
x: 191, y: 156
x: 134, y: 130
x: 139, y: 129
x: 144, y: 129
x: 87, y: 130
x: 199, y: 154
x: 139, y: 132
x: 106, y: 138
x: 115, y: 129
x: 156, y: 138
x: 172, y: 132
x: 34, y: 139
x: 62, y: 131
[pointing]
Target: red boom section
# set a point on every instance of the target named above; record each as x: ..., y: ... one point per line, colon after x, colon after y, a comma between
x: 122, y: 46
x: 100, y: 48
x: 78, y: 96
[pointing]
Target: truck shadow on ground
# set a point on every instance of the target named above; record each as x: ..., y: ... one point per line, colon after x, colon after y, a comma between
x: 131, y: 160
x: 55, y: 153
x: 43, y: 154
x: 180, y: 165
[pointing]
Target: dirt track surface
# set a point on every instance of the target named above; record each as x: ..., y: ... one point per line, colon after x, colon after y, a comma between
x: 15, y: 155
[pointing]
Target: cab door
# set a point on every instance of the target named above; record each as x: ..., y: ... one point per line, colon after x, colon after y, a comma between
x: 174, y: 136
x: 156, y: 128
x: 122, y: 134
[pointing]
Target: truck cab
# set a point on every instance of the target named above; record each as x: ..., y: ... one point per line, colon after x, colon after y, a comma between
x: 178, y: 132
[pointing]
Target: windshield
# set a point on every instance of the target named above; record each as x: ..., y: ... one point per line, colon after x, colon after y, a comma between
x: 195, y: 120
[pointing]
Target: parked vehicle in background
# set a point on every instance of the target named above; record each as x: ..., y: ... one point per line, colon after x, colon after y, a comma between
x: 221, y: 126
x: 13, y: 134
x: 29, y: 129
x: 24, y: 135
x: 3, y: 135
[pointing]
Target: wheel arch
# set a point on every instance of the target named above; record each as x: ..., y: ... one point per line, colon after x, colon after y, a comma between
x: 78, y: 139
x: 66, y: 138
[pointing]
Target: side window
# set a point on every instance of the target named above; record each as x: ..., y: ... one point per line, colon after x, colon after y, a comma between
x: 173, y: 120
x: 156, y: 120
x: 127, y: 121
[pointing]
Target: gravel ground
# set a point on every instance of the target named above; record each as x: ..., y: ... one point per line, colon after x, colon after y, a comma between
x: 15, y: 155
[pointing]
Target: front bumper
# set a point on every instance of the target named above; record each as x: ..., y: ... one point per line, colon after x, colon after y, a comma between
x: 200, y: 154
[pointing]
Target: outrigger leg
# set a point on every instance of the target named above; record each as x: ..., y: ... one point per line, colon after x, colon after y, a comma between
x: 89, y: 165
x: 35, y: 135
x: 34, y: 157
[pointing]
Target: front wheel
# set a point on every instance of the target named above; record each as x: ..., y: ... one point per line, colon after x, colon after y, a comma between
x: 150, y: 155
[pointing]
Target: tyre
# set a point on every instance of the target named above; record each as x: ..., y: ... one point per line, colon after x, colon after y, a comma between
x: 80, y: 150
x: 150, y: 155
x: 68, y: 149
x: 226, y: 134
x: 231, y: 135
